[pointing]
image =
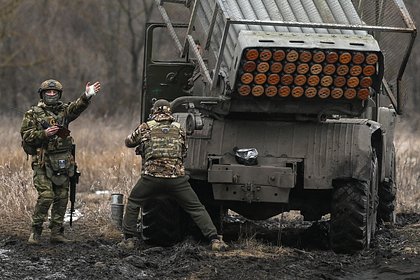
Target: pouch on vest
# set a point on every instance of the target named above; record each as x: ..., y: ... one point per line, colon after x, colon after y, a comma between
x: 29, y: 149
x: 59, y: 145
x: 59, y: 167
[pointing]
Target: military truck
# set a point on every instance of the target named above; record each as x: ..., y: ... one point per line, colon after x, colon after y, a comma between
x: 287, y: 104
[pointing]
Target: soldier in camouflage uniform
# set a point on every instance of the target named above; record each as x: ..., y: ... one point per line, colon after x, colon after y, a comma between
x: 164, y: 146
x: 46, y: 138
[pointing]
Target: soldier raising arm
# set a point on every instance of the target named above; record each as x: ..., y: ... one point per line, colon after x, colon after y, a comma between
x: 45, y: 136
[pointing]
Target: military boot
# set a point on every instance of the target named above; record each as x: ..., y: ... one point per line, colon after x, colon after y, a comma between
x: 217, y: 244
x: 35, y: 237
x: 57, y: 236
x: 128, y: 243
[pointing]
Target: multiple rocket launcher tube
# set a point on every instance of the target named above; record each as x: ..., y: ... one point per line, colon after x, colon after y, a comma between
x: 310, y: 73
x: 295, y: 72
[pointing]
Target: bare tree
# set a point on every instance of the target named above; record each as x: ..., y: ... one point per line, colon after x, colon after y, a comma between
x: 137, y: 14
x: 76, y: 41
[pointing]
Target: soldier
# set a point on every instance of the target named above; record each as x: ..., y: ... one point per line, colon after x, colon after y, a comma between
x: 45, y: 136
x: 164, y: 146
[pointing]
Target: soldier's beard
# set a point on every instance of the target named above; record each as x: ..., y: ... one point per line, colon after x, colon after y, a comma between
x: 51, y: 100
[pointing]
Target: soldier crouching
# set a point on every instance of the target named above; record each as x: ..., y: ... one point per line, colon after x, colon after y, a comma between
x: 163, y: 173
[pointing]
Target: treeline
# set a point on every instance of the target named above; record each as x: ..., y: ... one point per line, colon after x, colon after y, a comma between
x: 73, y: 41
x: 76, y: 41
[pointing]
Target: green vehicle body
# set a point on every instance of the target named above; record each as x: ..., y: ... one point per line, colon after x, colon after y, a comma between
x: 316, y: 155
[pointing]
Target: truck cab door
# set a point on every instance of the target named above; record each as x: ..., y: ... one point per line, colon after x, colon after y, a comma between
x: 165, y: 74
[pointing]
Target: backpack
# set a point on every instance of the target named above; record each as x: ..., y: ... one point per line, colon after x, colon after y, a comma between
x: 27, y: 148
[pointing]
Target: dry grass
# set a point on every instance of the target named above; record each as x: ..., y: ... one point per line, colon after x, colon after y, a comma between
x: 408, y: 169
x: 106, y: 165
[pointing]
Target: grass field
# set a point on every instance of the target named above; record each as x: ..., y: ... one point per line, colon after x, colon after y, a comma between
x: 107, y: 165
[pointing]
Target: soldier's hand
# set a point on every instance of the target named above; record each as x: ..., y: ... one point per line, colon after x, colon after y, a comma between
x: 91, y: 90
x: 52, y: 130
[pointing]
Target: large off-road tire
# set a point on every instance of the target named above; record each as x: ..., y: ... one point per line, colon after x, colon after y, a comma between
x: 349, y: 216
x: 163, y: 222
x: 387, y: 195
x: 353, y: 213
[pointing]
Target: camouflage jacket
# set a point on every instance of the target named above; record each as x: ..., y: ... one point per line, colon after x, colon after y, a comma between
x: 158, y: 167
x: 38, y: 117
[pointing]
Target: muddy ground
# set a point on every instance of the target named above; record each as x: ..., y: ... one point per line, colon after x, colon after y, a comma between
x: 257, y: 251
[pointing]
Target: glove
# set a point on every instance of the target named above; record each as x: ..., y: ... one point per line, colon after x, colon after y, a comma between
x: 90, y: 92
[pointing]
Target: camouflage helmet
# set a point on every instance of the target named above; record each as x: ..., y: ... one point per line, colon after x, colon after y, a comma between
x: 161, y: 106
x: 50, y: 84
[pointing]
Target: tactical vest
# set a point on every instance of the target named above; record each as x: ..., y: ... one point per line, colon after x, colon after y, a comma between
x: 45, y: 119
x: 165, y: 141
x: 59, y: 162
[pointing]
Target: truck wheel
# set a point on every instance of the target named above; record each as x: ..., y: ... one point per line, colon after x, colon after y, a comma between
x: 387, y: 196
x: 353, y: 213
x: 349, y: 216
x: 162, y: 222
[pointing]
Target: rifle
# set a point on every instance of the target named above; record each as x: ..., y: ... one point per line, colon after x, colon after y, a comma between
x: 74, y: 180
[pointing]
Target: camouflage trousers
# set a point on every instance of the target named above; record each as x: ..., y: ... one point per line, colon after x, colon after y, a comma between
x: 177, y: 188
x: 49, y: 194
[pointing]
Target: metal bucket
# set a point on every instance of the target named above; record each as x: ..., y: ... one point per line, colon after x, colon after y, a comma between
x: 117, y: 209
